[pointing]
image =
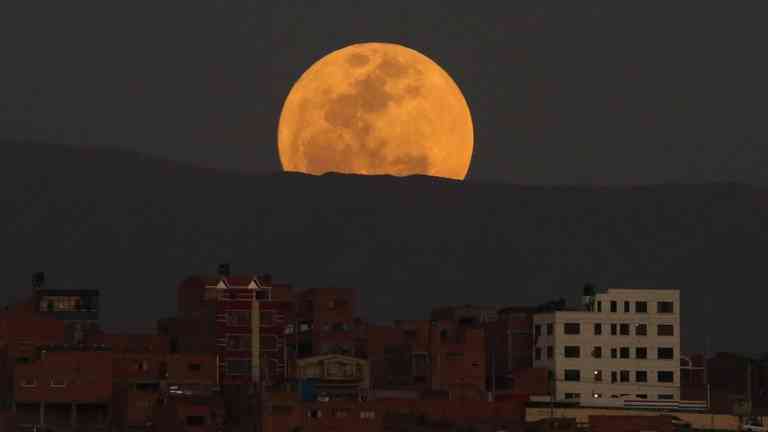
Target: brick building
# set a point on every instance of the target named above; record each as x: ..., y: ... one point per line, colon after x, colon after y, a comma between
x: 246, y: 320
x: 189, y: 414
x: 371, y: 416
x: 326, y: 321
x: 458, y: 362
x: 734, y: 378
x: 64, y: 387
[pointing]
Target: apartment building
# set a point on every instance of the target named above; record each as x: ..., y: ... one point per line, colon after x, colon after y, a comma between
x: 326, y: 321
x: 621, y: 344
x: 247, y: 321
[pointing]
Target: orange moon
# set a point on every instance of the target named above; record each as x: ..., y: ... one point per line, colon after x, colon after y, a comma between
x: 376, y: 108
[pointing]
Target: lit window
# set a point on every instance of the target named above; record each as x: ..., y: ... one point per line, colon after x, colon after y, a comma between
x: 367, y: 414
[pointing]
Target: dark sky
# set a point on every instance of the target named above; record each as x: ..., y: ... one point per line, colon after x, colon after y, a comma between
x: 613, y: 92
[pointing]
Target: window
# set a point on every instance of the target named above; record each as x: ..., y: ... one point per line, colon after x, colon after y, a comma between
x: 572, y: 375
x: 598, y: 374
x: 664, y: 353
x: 665, y: 376
x: 624, y: 329
x: 340, y: 413
x: 238, y: 318
x: 614, y: 376
x: 194, y: 367
x: 613, y: 306
x: 666, y: 397
x: 550, y: 352
x: 537, y: 355
x: 28, y: 382
x: 572, y: 328
x: 237, y: 367
x: 367, y: 414
x: 614, y: 353
x: 537, y: 330
x: 665, y: 307
x: 614, y: 329
x: 239, y: 342
x: 599, y: 306
x: 572, y: 351
x: 268, y: 342
x: 314, y: 413
x: 641, y: 330
x: 641, y: 307
x: 641, y: 353
x: 266, y: 318
x: 641, y: 396
x: 22, y: 360
x: 626, y: 307
x: 597, y: 352
x: 665, y: 330
x: 624, y: 352
x: 641, y: 376
x: 624, y: 376
x: 598, y: 329
x: 195, y: 420
x: 573, y: 395
x: 454, y: 355
x: 550, y: 329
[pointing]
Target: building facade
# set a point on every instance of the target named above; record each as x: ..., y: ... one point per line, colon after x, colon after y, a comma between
x: 252, y: 320
x: 622, y: 344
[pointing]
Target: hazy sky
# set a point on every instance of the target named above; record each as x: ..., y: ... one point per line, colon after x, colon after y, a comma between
x: 609, y: 93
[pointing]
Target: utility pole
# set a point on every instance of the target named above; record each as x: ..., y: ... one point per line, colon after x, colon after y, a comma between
x: 709, y: 387
x: 493, y: 377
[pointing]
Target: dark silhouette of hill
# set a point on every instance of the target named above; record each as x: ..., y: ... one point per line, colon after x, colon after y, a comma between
x: 133, y: 227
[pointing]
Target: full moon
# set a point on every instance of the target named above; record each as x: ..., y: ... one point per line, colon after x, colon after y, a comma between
x: 376, y: 108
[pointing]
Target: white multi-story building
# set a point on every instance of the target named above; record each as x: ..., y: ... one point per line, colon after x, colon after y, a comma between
x: 622, y: 344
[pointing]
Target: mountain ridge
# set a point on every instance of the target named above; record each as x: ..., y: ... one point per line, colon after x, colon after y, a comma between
x: 134, y: 226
